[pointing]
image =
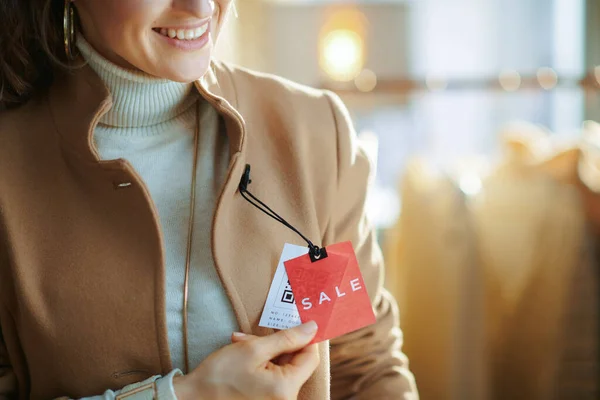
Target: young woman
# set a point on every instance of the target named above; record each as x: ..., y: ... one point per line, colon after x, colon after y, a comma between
x: 128, y: 256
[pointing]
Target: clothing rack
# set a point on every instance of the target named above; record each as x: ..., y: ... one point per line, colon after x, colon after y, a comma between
x: 509, y: 84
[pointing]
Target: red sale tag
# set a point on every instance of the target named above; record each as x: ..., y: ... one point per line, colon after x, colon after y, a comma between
x: 331, y: 292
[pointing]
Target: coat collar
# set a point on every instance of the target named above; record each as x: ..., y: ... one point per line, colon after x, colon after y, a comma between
x: 78, y: 99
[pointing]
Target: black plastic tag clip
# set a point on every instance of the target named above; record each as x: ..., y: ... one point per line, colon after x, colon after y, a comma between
x: 245, y: 181
x: 317, y: 253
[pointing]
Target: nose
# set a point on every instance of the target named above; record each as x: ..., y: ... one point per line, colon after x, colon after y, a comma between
x: 198, y: 8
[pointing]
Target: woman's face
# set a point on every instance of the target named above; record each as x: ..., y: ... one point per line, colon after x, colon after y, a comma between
x: 172, y: 39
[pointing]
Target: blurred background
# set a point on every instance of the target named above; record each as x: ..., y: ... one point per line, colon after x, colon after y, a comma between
x: 479, y: 118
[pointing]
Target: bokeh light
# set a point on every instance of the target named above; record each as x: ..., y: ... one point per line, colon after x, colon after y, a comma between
x: 547, y: 78
x: 366, y: 81
x: 342, y: 55
x: 510, y: 80
x: 436, y: 83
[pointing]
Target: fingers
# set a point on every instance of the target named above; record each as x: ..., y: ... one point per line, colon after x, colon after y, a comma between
x: 304, y: 363
x: 237, y: 337
x: 287, y: 349
x: 284, y: 359
x: 286, y: 341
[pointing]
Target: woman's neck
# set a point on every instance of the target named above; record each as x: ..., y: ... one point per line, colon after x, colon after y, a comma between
x: 139, y: 99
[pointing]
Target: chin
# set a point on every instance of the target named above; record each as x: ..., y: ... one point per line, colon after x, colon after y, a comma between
x: 185, y: 72
x: 165, y: 60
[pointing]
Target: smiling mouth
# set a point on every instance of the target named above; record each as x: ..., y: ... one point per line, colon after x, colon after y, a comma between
x: 183, y: 34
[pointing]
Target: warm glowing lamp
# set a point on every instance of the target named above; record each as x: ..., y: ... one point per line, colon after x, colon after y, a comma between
x: 342, y: 44
x: 342, y: 56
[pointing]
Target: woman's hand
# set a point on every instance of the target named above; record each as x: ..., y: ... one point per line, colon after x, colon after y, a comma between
x: 254, y: 368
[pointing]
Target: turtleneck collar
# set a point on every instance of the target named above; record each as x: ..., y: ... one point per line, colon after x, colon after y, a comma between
x: 139, y: 99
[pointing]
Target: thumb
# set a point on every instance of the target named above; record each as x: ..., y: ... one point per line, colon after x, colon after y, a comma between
x: 237, y: 337
x: 286, y: 341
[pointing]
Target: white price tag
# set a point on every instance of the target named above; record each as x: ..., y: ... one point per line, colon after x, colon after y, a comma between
x: 280, y: 310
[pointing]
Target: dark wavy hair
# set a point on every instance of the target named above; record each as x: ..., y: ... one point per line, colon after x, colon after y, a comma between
x: 31, y: 48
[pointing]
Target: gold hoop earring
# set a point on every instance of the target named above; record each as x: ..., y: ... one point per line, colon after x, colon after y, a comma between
x: 69, y: 29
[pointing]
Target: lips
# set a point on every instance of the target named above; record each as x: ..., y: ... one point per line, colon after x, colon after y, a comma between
x: 183, y: 34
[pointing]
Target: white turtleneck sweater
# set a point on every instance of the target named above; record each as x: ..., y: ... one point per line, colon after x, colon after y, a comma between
x: 151, y: 125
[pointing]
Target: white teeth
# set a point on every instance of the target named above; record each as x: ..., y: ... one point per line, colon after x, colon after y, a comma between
x: 202, y: 30
x: 184, y: 34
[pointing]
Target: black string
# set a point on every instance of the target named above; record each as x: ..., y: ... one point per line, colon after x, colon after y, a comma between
x: 315, y: 250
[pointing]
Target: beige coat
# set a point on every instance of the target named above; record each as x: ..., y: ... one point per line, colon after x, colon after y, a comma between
x: 82, y: 279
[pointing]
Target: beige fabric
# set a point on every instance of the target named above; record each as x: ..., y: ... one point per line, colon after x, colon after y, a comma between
x: 432, y: 265
x: 530, y: 236
x: 534, y: 278
x: 82, y: 288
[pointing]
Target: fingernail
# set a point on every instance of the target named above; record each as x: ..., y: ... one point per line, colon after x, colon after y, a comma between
x: 308, y: 328
x: 239, y: 334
